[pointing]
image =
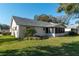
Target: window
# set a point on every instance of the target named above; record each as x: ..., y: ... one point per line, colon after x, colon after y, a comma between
x: 59, y: 30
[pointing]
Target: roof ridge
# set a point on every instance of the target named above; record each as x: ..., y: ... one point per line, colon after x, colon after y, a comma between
x: 20, y: 17
x: 32, y: 20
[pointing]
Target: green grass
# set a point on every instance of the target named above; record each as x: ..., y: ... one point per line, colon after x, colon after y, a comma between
x: 68, y: 45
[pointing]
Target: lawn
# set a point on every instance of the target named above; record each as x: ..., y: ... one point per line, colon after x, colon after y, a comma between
x: 68, y: 45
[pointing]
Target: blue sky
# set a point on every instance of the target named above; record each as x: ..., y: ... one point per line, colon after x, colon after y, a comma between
x: 27, y: 10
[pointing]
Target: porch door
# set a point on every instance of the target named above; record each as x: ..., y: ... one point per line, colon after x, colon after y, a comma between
x: 47, y: 30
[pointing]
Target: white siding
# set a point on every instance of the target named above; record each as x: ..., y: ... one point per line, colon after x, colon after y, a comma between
x: 14, y: 29
x: 60, y: 34
x: 40, y: 31
x: 67, y: 29
x: 22, y: 31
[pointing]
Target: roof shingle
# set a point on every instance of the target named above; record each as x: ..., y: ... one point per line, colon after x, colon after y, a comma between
x: 30, y: 22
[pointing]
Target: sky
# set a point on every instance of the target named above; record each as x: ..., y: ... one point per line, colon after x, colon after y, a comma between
x: 27, y: 10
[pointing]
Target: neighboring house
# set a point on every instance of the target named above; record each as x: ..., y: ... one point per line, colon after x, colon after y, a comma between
x: 4, y: 30
x: 67, y: 29
x: 18, y: 25
x: 73, y: 28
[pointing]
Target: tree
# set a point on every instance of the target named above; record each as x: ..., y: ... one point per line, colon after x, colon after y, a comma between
x: 30, y: 31
x: 52, y: 19
x: 43, y: 17
x: 63, y: 19
x: 49, y: 18
x: 4, y: 26
x: 58, y: 19
x: 71, y: 10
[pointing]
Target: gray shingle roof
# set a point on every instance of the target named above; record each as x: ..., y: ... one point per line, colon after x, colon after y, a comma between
x: 30, y: 22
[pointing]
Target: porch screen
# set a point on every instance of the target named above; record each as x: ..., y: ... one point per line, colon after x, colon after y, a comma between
x: 59, y: 30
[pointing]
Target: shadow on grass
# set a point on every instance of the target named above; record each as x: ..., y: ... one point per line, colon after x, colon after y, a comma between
x: 71, y: 49
x: 70, y: 36
x: 3, y: 40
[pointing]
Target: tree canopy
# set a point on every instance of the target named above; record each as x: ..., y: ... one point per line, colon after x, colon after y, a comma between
x: 4, y: 26
x: 42, y: 17
x: 70, y: 9
x: 49, y: 18
x: 46, y: 18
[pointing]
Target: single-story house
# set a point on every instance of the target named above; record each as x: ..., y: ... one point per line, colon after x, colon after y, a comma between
x: 4, y: 29
x: 73, y: 28
x: 19, y: 24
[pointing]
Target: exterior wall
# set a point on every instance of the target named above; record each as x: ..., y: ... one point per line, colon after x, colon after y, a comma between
x: 60, y: 34
x: 22, y: 31
x: 40, y: 31
x: 67, y: 29
x: 14, y: 32
x: 56, y: 34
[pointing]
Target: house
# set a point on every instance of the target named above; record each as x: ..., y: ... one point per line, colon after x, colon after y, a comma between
x: 4, y: 28
x: 19, y: 24
x: 73, y: 28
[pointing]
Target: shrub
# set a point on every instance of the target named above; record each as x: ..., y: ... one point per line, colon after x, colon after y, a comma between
x: 6, y: 33
x: 30, y: 32
x: 72, y: 33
